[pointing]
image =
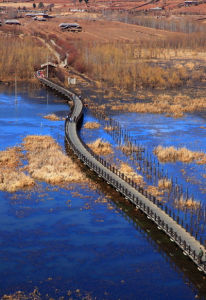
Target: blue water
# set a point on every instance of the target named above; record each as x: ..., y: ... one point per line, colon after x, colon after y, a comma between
x: 56, y: 240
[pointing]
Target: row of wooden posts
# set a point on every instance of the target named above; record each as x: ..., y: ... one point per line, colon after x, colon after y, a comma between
x: 193, y: 220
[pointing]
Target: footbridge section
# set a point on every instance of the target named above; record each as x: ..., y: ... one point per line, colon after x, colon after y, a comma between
x: 139, y: 197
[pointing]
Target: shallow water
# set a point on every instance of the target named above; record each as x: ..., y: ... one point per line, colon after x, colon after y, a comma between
x: 82, y: 239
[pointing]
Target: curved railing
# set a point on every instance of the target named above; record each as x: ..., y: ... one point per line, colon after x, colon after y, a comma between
x: 144, y: 201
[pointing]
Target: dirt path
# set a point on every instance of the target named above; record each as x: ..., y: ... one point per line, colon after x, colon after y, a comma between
x: 53, y: 51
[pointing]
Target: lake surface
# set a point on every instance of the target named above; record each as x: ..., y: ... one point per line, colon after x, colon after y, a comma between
x: 83, y: 242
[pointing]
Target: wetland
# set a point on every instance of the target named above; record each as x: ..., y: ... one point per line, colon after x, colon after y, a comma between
x: 82, y: 239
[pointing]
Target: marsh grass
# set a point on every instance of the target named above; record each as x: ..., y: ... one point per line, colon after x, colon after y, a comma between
x: 19, y: 295
x: 155, y: 191
x: 12, y: 177
x: 164, y: 184
x: 109, y: 128
x: 187, y: 203
x: 128, y: 149
x: 92, y: 125
x: 130, y: 173
x: 47, y: 162
x: 100, y: 147
x: 52, y: 117
x: 24, y: 55
x: 139, y: 64
x: 172, y: 106
x: 172, y: 154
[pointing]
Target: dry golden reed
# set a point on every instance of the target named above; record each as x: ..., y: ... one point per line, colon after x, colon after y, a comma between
x: 155, y: 191
x: 101, y: 147
x: 164, y: 184
x: 128, y: 149
x: 12, y: 177
x: 173, y: 106
x: 19, y: 57
x: 109, y: 128
x: 52, y: 117
x: 128, y: 65
x: 47, y: 162
x: 187, y: 203
x: 130, y: 173
x: 172, y: 154
x: 92, y: 125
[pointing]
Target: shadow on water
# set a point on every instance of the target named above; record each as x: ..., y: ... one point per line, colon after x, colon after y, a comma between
x: 157, y: 238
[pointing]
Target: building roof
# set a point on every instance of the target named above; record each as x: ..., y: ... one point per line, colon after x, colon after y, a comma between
x: 69, y: 25
x: 48, y: 64
x: 16, y: 22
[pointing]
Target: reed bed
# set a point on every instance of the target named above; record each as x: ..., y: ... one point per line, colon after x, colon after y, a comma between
x: 172, y: 106
x: 164, y: 184
x: 19, y: 295
x: 47, y: 162
x: 128, y: 149
x: 100, y: 147
x: 172, y: 154
x: 155, y: 191
x: 138, y: 64
x: 52, y: 117
x: 109, y: 128
x: 130, y: 173
x: 19, y: 57
x: 187, y: 203
x: 92, y: 125
x: 12, y: 177
x: 10, y: 158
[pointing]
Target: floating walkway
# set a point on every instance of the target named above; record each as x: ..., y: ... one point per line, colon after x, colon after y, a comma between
x: 130, y: 190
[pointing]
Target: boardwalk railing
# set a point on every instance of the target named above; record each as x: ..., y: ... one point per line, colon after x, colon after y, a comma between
x: 139, y: 197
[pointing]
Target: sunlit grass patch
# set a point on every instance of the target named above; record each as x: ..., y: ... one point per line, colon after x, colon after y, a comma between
x: 11, y: 157
x: 172, y: 154
x: 164, y: 184
x: 109, y: 128
x: 101, y: 147
x: 52, y: 117
x: 175, y: 106
x: 47, y: 162
x: 130, y: 173
x: 12, y: 177
x: 155, y: 191
x: 92, y: 125
x: 187, y: 203
x: 14, y: 180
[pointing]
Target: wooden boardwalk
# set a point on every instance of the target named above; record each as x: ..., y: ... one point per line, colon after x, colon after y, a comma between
x: 139, y: 197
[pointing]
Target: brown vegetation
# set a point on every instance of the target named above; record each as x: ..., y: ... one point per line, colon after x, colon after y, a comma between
x: 19, y: 57
x: 155, y: 191
x: 130, y: 173
x: 175, y: 106
x: 164, y: 184
x: 187, y: 203
x: 19, y: 295
x: 52, y: 117
x: 138, y: 68
x: 172, y: 154
x: 47, y: 162
x: 91, y: 125
x: 12, y: 177
x: 109, y: 128
x: 128, y: 149
x: 100, y: 147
